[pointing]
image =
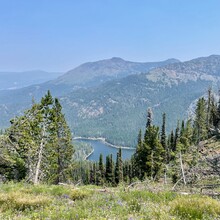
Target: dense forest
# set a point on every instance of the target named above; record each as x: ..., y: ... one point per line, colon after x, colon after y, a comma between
x: 37, y: 148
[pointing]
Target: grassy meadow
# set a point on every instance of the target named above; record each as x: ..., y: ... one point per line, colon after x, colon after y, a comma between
x: 22, y: 202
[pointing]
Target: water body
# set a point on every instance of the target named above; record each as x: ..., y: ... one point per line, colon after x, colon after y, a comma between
x: 101, y: 147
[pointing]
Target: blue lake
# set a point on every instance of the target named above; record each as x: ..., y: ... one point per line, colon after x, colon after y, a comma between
x: 101, y: 147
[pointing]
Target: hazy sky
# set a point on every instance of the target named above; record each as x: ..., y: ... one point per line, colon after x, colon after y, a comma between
x: 58, y: 35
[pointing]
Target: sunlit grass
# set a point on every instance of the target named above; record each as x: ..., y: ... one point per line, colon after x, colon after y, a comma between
x: 23, y: 201
x: 195, y: 207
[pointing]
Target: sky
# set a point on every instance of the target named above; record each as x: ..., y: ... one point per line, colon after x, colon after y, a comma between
x: 58, y: 35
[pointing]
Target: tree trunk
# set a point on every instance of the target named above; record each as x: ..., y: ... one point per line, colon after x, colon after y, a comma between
x: 181, y: 164
x: 40, y: 155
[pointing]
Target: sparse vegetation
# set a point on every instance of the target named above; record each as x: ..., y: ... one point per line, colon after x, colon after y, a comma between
x: 22, y: 201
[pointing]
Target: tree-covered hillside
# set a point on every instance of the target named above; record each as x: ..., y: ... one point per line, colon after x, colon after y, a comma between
x: 116, y: 109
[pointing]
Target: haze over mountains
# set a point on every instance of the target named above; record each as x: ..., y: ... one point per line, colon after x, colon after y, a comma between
x: 16, y: 80
x: 95, y: 73
x: 109, y: 98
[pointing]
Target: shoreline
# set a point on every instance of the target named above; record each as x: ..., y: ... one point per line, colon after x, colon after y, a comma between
x: 87, y: 156
x: 104, y: 141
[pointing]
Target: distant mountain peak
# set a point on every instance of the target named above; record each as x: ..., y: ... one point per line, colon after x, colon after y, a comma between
x: 173, y: 60
x: 117, y: 59
x: 94, y: 73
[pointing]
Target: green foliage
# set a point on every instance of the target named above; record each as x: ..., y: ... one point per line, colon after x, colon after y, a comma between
x: 200, y: 125
x: 163, y: 139
x: 20, y: 201
x: 77, y: 194
x: 195, y: 207
x: 109, y: 170
x: 39, y: 144
x: 116, y: 99
x: 149, y: 155
x: 119, y: 168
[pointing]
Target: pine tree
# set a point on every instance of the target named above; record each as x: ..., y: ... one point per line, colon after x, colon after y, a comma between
x: 200, y: 126
x: 62, y: 147
x: 140, y: 138
x: 149, y: 121
x: 176, y: 137
x: 163, y: 138
x: 172, y: 141
x: 93, y: 174
x: 119, y: 168
x: 126, y: 171
x: 42, y: 142
x: 186, y: 135
x: 29, y: 133
x: 214, y: 118
x: 208, y: 115
x: 155, y: 155
x: 109, y: 174
x: 101, y: 171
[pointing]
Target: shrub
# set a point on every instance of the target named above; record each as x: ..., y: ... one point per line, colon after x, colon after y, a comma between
x: 77, y: 194
x: 195, y: 207
x: 21, y: 201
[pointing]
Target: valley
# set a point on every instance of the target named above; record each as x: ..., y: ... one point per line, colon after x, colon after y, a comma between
x: 115, y: 105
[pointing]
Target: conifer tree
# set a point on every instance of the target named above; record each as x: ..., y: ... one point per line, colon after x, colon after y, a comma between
x: 100, y: 171
x: 172, y: 141
x: 213, y: 119
x: 186, y: 135
x: 42, y: 141
x: 93, y: 174
x: 182, y: 128
x: 119, y: 168
x: 209, y: 102
x: 156, y: 152
x: 149, y: 121
x: 139, y: 138
x: 29, y: 133
x: 62, y: 147
x: 126, y: 171
x: 200, y: 126
x: 109, y: 174
x: 176, y: 137
x: 163, y: 138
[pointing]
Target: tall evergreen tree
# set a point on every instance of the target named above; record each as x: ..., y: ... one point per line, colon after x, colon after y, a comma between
x: 139, y: 138
x: 177, y: 136
x: 149, y: 121
x: 200, y: 126
x: 37, y: 136
x: 155, y: 154
x: 163, y: 138
x: 119, y: 168
x: 101, y: 171
x: 62, y: 147
x: 109, y: 174
x: 209, y: 103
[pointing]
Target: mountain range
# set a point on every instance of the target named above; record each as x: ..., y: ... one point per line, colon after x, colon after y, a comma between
x: 109, y: 98
x: 95, y: 73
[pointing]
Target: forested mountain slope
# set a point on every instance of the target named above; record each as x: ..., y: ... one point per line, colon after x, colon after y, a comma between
x: 116, y: 109
x: 13, y: 102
